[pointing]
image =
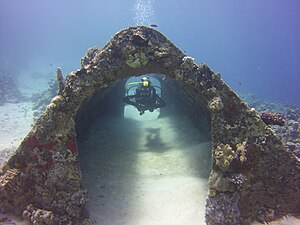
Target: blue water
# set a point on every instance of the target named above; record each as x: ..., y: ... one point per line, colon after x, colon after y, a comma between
x: 253, y: 43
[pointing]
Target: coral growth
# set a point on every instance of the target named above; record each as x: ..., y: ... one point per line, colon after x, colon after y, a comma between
x: 218, y: 183
x: 188, y: 63
x: 271, y: 118
x: 215, y: 104
x: 224, y: 155
x: 241, y: 151
x: 223, y: 209
x: 39, y: 216
x: 72, y: 145
x: 60, y: 81
x: 89, y: 56
x: 136, y: 60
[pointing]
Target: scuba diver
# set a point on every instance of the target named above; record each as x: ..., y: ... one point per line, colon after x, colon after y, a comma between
x: 145, y: 97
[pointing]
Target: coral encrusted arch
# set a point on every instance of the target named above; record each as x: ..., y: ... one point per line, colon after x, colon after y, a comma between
x: 253, y: 176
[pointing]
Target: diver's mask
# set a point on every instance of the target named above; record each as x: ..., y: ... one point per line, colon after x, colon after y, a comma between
x: 145, y: 83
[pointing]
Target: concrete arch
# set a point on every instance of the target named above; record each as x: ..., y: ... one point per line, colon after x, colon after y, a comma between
x: 253, y: 176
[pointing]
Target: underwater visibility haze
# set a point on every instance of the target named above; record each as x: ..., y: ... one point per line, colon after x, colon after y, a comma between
x: 156, y: 166
x: 253, y: 44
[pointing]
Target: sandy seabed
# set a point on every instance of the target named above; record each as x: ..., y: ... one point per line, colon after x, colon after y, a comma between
x: 145, y: 171
x: 15, y: 122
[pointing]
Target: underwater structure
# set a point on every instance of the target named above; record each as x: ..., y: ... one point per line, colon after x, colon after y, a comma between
x: 253, y: 176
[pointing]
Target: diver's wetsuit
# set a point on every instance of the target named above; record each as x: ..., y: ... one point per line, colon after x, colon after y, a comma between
x: 144, y: 99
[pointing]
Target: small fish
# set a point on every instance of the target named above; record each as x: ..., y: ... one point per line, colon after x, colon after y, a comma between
x: 51, y: 64
x: 153, y: 25
x: 240, y: 83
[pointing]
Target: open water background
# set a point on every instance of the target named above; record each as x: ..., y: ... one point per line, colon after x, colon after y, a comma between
x: 253, y: 43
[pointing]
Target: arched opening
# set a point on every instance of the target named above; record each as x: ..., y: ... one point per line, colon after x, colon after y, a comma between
x: 149, y: 170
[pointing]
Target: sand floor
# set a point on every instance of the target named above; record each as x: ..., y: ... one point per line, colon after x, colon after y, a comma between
x: 145, y: 172
x: 15, y: 122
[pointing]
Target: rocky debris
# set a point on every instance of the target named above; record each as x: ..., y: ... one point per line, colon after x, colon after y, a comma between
x: 264, y: 105
x: 289, y: 134
x: 293, y: 113
x: 288, y: 128
x: 9, y: 91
